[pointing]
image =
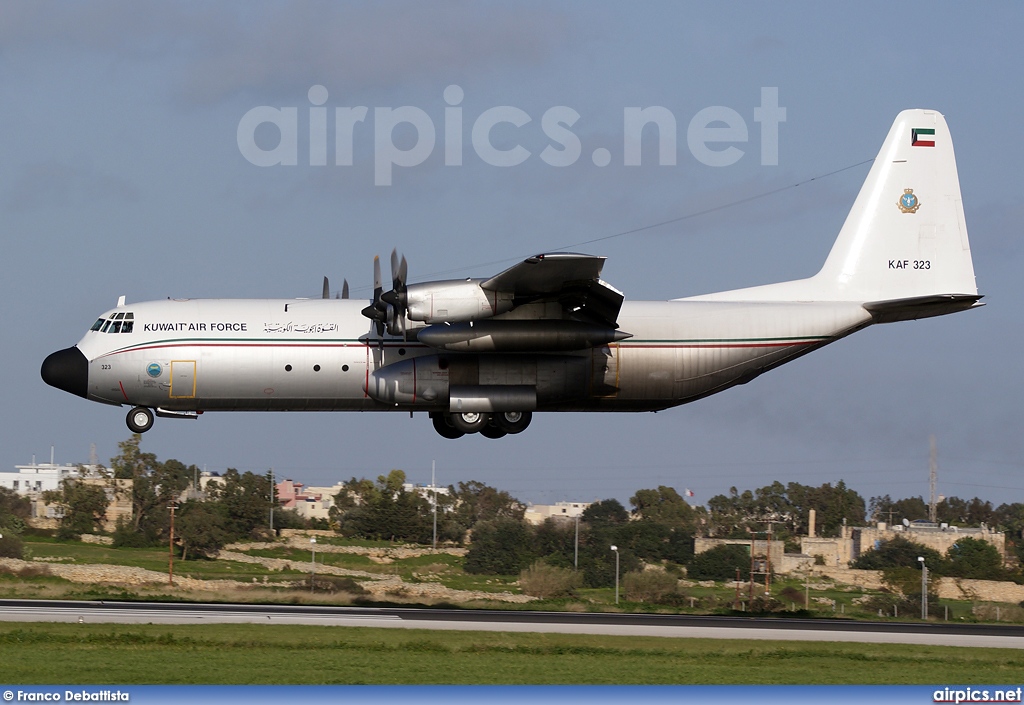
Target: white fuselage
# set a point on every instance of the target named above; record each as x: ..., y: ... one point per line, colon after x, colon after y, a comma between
x: 320, y: 354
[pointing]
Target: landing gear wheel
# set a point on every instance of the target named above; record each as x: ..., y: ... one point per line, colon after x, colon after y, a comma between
x: 470, y: 421
x: 139, y: 420
x: 513, y: 421
x: 492, y: 430
x: 444, y: 428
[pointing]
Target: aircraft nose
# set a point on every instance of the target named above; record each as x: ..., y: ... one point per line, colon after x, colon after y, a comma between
x: 67, y: 369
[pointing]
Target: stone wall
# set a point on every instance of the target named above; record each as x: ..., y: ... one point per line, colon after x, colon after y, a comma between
x: 946, y: 588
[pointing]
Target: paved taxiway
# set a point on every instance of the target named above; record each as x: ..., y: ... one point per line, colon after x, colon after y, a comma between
x: 676, y: 626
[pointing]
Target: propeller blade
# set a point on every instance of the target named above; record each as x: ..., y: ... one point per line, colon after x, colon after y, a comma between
x: 394, y: 269
x: 327, y: 289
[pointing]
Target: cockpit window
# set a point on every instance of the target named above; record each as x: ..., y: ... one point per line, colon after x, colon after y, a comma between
x: 122, y: 322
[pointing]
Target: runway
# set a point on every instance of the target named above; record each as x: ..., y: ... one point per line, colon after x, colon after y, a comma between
x: 673, y: 626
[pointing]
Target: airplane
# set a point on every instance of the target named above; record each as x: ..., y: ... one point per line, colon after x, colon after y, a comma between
x: 548, y: 334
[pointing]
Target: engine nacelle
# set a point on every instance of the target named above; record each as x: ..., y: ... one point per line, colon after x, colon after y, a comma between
x: 454, y: 301
x: 481, y: 383
x: 421, y: 381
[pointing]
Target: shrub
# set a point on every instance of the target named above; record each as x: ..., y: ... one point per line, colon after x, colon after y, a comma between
x: 792, y: 594
x: 331, y: 584
x: 543, y: 580
x: 649, y: 585
x: 11, y: 546
x: 720, y: 563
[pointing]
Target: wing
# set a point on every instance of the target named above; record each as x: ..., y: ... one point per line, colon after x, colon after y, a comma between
x: 571, y: 279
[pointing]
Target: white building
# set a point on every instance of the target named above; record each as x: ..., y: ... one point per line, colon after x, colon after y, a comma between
x: 30, y: 480
x: 537, y: 513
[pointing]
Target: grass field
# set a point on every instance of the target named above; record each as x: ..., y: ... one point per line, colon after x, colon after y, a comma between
x: 77, y: 654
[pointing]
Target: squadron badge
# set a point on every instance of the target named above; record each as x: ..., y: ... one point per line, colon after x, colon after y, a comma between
x: 908, y: 202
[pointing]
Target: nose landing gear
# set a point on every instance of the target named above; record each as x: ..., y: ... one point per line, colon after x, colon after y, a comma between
x: 139, y: 420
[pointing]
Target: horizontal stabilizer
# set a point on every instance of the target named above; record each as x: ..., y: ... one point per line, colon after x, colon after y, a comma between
x: 917, y: 307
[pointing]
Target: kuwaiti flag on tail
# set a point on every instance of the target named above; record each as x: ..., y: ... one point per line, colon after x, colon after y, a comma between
x: 922, y: 137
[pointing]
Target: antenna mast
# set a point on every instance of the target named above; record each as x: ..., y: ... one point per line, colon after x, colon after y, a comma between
x: 933, y: 469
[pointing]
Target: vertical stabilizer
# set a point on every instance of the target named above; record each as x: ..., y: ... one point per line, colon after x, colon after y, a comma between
x: 905, y: 237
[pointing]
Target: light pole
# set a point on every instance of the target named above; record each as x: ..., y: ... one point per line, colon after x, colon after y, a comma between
x: 170, y: 549
x: 924, y: 588
x: 616, y: 550
x: 312, y: 572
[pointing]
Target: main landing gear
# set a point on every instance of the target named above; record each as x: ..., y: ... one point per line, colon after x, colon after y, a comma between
x: 487, y: 425
x: 139, y: 420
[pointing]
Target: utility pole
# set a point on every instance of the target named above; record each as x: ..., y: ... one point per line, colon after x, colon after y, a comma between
x: 170, y: 549
x: 576, y: 546
x: 933, y: 469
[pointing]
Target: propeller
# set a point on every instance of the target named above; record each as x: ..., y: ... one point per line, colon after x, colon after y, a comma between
x: 377, y: 311
x: 327, y: 290
x: 397, y: 299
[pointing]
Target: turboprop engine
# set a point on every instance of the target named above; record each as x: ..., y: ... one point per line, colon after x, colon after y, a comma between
x: 454, y: 301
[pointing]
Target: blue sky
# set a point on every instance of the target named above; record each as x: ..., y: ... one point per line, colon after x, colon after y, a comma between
x: 120, y: 173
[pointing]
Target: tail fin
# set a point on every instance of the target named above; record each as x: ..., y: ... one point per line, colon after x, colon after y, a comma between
x: 905, y: 236
x: 905, y: 239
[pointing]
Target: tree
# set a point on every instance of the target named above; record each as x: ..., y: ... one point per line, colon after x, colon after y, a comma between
x: 473, y: 502
x: 132, y: 464
x: 899, y: 552
x: 14, y: 510
x: 893, y: 512
x: 200, y: 528
x: 502, y: 546
x: 604, y: 513
x: 84, y: 505
x: 662, y: 506
x: 244, y: 502
x: 384, y: 510
x: 721, y: 563
x: 974, y: 558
